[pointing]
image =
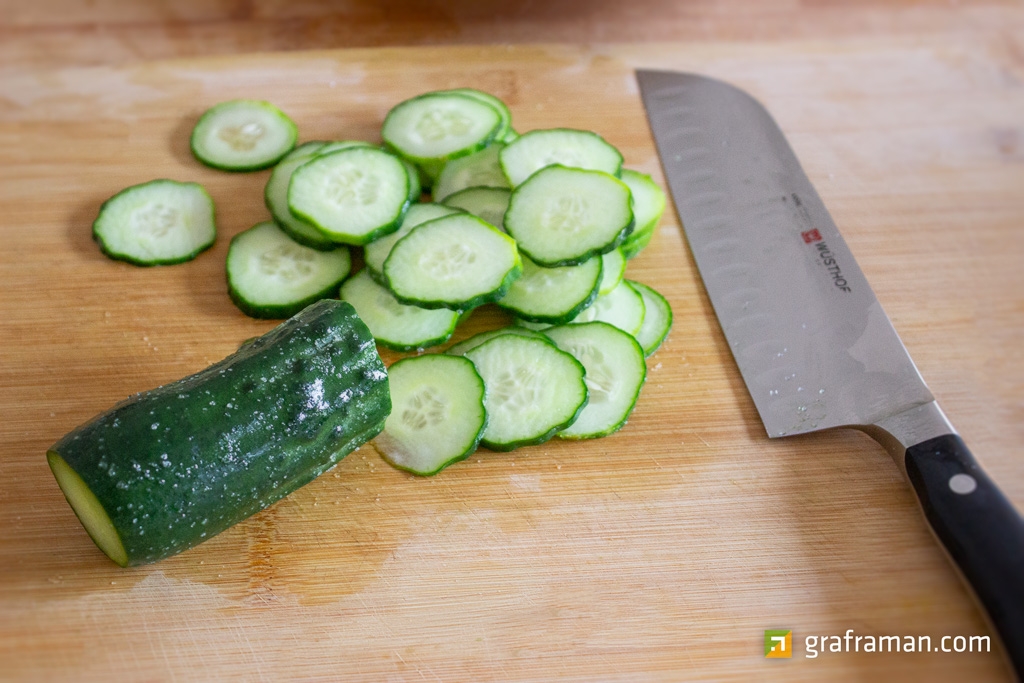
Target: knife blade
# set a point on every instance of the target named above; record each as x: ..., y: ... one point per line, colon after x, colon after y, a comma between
x: 813, y: 344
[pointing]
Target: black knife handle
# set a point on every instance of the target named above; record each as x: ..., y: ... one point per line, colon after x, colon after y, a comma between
x: 980, y: 529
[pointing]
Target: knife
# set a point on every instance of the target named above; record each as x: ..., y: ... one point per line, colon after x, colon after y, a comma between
x: 812, y: 342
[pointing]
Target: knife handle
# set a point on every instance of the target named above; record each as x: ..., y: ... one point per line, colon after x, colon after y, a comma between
x: 980, y: 530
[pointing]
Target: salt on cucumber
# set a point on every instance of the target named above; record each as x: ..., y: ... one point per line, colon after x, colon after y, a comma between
x: 243, y: 135
x: 169, y: 468
x: 156, y: 223
x: 438, y: 416
x: 272, y: 276
x: 533, y: 390
x: 615, y: 373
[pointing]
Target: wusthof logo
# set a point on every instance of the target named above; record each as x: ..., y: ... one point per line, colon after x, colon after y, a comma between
x: 778, y: 644
x: 826, y: 258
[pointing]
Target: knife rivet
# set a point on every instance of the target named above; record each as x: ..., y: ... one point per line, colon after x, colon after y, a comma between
x: 962, y: 484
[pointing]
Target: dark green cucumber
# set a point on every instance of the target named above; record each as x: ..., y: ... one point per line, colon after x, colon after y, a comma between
x: 169, y: 468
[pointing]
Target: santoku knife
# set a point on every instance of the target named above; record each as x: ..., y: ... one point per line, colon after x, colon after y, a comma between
x: 813, y: 344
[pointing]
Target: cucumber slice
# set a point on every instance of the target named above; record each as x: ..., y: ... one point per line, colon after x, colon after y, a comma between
x: 533, y: 390
x: 435, y: 127
x: 505, y: 129
x: 532, y: 151
x: 477, y: 339
x: 615, y: 373
x: 338, y: 145
x: 613, y: 268
x: 553, y: 295
x: 657, y: 318
x: 456, y: 262
x: 563, y: 216
x: 437, y: 415
x: 243, y: 135
x: 376, y: 252
x: 479, y: 169
x: 395, y: 325
x: 353, y: 195
x: 275, y: 196
x: 648, y: 207
x: 156, y: 223
x: 622, y: 307
x: 415, y: 184
x: 488, y: 203
x: 272, y: 276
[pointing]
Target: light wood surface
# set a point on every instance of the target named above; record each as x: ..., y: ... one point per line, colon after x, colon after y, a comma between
x: 660, y: 553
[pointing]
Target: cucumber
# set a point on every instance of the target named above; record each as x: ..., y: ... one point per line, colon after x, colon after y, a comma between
x: 622, y: 307
x: 353, y: 195
x: 479, y: 338
x: 553, y: 295
x: 505, y: 128
x: 272, y: 276
x: 156, y: 223
x: 533, y: 390
x: 275, y: 196
x: 395, y: 325
x: 243, y: 135
x: 562, y: 216
x: 434, y: 128
x: 657, y: 318
x: 438, y: 416
x: 377, y: 251
x: 615, y: 373
x: 488, y: 203
x: 537, y: 149
x: 479, y: 169
x: 415, y: 184
x: 169, y: 468
x: 648, y: 206
x: 456, y: 262
x: 613, y: 268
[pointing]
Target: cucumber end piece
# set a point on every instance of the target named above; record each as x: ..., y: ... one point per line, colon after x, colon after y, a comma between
x: 88, y: 509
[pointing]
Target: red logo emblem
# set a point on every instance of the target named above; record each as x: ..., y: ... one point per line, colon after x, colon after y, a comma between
x: 811, y: 236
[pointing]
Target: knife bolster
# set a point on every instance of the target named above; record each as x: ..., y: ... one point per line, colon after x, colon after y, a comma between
x: 899, y: 432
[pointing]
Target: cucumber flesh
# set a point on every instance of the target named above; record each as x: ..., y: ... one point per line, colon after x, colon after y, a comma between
x: 479, y: 169
x: 657, y: 318
x: 88, y: 509
x: 553, y: 295
x: 456, y: 262
x: 615, y: 373
x: 613, y: 268
x: 622, y: 307
x: 377, y: 251
x: 533, y: 390
x: 477, y: 339
x: 156, y: 223
x: 275, y: 196
x: 353, y: 195
x: 393, y: 324
x: 505, y: 128
x: 537, y: 149
x: 243, y: 135
x: 272, y: 276
x: 563, y: 216
x: 648, y: 207
x: 438, y: 414
x: 488, y: 203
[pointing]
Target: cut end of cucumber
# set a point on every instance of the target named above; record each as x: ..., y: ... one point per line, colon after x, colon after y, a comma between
x: 88, y: 508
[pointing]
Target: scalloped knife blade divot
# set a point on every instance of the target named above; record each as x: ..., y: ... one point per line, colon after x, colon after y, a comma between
x: 811, y: 340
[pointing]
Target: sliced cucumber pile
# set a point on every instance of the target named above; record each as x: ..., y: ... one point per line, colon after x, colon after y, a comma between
x: 539, y: 224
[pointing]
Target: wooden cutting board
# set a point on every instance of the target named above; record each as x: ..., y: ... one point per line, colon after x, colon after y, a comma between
x: 662, y: 552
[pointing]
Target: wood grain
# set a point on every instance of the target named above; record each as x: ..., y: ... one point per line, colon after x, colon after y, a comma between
x: 659, y: 553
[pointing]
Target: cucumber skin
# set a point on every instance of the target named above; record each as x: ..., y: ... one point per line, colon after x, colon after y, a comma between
x: 150, y: 263
x: 324, y: 394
